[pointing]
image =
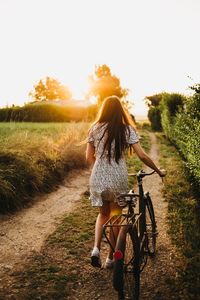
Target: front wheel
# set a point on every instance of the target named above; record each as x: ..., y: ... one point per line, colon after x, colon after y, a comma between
x: 126, y: 273
x: 150, y: 226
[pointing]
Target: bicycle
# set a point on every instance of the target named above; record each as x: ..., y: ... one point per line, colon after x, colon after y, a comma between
x: 136, y: 239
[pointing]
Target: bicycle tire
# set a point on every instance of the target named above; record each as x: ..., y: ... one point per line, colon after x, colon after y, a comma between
x: 150, y: 226
x: 126, y: 272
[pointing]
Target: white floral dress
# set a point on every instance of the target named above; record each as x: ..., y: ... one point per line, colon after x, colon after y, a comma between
x: 107, y: 176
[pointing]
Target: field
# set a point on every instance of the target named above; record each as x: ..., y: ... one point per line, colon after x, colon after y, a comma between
x: 55, y: 278
x: 34, y: 157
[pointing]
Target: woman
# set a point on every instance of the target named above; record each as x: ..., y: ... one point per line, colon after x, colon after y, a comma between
x: 111, y: 134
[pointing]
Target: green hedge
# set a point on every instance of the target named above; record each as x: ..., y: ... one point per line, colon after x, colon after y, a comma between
x: 169, y: 106
x: 187, y: 137
x: 154, y: 117
x: 47, y: 113
x: 180, y: 119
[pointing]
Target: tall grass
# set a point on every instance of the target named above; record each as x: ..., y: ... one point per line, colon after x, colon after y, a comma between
x: 44, y: 112
x: 34, y: 157
x: 61, y: 268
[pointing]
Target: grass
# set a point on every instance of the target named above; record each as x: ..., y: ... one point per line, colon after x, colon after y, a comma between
x: 34, y: 157
x: 62, y: 264
x: 183, y: 218
x: 133, y: 163
x: 55, y: 271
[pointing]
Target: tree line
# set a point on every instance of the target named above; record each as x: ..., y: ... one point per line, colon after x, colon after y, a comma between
x: 102, y: 84
x: 45, y: 93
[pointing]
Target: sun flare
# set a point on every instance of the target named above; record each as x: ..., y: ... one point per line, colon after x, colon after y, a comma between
x: 147, y: 52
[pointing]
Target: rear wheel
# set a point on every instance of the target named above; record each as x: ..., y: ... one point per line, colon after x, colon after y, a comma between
x: 150, y: 226
x: 126, y: 273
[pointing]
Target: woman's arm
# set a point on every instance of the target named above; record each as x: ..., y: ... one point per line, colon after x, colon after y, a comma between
x: 90, y: 154
x: 146, y: 159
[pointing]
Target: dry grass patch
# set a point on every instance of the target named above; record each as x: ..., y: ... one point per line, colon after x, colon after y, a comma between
x: 34, y: 157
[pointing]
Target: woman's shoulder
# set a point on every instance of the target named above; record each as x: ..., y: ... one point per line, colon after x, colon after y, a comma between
x: 130, y: 128
x: 97, y: 127
x: 131, y: 134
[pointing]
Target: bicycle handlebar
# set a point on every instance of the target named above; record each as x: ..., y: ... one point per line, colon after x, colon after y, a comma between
x: 141, y: 173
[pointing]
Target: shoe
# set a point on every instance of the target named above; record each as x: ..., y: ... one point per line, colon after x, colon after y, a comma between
x: 95, y: 258
x: 109, y: 263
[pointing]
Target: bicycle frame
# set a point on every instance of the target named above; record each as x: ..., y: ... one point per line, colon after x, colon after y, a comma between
x: 142, y: 221
x: 132, y: 240
x: 131, y: 218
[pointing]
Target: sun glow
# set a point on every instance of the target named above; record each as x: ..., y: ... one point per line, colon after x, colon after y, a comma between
x: 78, y: 86
x: 66, y: 39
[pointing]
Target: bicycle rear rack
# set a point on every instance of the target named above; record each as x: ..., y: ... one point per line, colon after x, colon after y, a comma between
x: 122, y: 220
x: 118, y: 222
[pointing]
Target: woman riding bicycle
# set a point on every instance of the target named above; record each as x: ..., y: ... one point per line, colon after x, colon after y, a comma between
x: 109, y: 137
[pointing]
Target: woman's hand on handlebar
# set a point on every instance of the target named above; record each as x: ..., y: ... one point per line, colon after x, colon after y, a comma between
x: 162, y: 172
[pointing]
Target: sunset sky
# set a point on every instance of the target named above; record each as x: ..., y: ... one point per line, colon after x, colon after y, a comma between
x: 151, y: 45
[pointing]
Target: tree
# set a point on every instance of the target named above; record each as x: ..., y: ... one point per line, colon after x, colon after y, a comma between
x: 193, y: 104
x: 50, y: 89
x: 163, y: 108
x: 104, y: 84
x: 153, y: 100
x: 196, y: 88
x: 154, y: 113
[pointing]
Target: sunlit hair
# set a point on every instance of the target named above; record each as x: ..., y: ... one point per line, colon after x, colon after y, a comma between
x: 117, y: 119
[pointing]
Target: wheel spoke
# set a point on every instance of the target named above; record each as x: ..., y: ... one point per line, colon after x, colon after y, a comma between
x: 129, y: 275
x: 150, y: 227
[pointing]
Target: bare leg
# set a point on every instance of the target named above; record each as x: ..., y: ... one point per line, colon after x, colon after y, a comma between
x: 115, y: 210
x: 103, y: 216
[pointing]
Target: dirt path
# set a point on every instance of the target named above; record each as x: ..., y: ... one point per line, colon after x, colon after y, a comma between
x: 24, y: 232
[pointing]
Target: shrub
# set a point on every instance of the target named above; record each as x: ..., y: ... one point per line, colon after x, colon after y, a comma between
x: 187, y: 136
x: 47, y: 113
x: 154, y: 117
x: 169, y: 106
x: 154, y: 113
x: 180, y: 118
x: 180, y: 121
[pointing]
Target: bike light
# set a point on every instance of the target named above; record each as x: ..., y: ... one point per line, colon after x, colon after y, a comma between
x: 118, y: 255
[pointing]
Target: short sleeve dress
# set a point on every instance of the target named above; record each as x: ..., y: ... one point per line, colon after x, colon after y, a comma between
x: 107, y: 177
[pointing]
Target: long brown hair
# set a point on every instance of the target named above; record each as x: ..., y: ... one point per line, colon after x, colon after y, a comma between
x: 114, y: 115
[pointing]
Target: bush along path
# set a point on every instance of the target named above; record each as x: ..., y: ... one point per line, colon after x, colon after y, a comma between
x: 161, y: 270
x: 183, y: 200
x: 60, y: 267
